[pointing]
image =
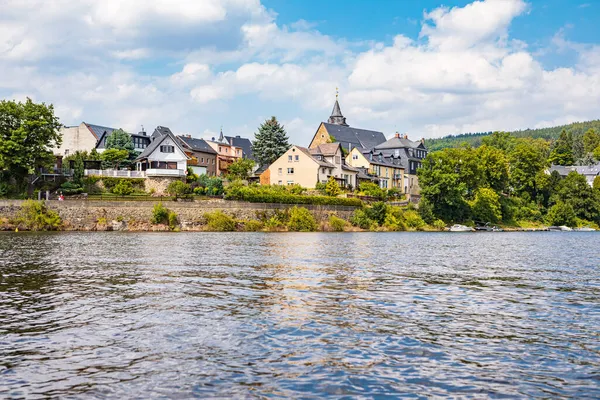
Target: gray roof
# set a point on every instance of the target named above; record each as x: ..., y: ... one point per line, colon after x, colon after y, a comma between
x: 400, y: 142
x: 158, y: 136
x: 98, y: 130
x: 588, y: 170
x: 244, y: 143
x: 336, y: 115
x: 197, y: 144
x: 387, y: 160
x: 350, y: 137
x: 322, y: 163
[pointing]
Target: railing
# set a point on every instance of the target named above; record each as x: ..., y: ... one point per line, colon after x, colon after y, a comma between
x: 56, y: 171
x: 165, y: 172
x: 114, y: 173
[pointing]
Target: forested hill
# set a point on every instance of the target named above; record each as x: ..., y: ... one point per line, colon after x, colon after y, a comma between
x: 474, y: 139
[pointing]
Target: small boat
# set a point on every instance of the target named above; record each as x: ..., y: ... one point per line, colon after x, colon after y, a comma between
x: 561, y: 228
x: 461, y: 228
x: 584, y: 229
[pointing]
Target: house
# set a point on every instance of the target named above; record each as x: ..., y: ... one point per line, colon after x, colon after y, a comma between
x: 140, y: 140
x: 411, y: 154
x: 244, y: 143
x: 337, y: 130
x: 203, y: 158
x: 387, y: 169
x: 589, y: 171
x: 164, y: 156
x: 226, y: 153
x: 306, y: 168
x: 343, y: 173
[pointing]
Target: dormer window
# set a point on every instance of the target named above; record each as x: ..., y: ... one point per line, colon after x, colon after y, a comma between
x: 397, y: 152
x: 167, y: 149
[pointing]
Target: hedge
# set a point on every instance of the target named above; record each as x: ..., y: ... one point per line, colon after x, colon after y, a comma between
x: 258, y: 195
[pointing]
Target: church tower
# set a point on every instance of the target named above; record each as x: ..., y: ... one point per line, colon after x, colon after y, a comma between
x: 336, y: 117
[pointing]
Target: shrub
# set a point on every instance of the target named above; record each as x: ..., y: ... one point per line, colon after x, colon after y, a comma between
x: 220, y: 222
x: 212, y: 186
x: 377, y: 212
x: 270, y: 194
x: 70, y: 188
x: 486, y: 206
x: 173, y: 222
x: 413, y: 220
x: 337, y: 224
x: 4, y: 189
x: 253, y: 226
x: 394, y: 219
x: 178, y: 189
x: 110, y: 182
x: 372, y: 189
x: 561, y: 214
x: 102, y: 221
x: 199, y: 191
x: 301, y: 220
x: 439, y: 224
x: 123, y: 188
x: 426, y: 211
x: 296, y: 189
x: 320, y: 186
x: 35, y: 216
x: 361, y: 219
x: 273, y: 224
x: 596, y: 184
x: 160, y: 214
x: 394, y: 193
x: 332, y: 188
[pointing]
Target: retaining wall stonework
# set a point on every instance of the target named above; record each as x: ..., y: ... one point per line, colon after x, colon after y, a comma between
x: 88, y: 215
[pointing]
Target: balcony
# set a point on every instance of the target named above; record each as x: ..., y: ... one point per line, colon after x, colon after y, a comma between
x: 164, y: 172
x: 397, y: 176
x: 134, y: 174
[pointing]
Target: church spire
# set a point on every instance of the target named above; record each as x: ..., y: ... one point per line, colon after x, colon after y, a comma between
x: 337, y: 117
x: 221, y: 138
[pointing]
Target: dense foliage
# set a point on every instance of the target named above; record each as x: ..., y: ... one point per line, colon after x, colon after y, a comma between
x: 301, y: 220
x: 35, y: 216
x: 270, y: 142
x: 506, y: 180
x: 280, y: 194
x: 240, y: 169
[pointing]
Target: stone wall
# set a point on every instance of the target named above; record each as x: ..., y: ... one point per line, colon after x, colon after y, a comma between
x: 158, y: 185
x: 88, y: 215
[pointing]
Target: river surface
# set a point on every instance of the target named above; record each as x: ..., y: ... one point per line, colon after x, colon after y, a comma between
x: 259, y: 315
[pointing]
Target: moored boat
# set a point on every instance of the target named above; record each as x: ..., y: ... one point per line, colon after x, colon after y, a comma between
x: 585, y: 229
x: 461, y: 228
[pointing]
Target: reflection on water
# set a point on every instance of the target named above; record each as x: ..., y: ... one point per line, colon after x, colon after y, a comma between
x: 122, y: 315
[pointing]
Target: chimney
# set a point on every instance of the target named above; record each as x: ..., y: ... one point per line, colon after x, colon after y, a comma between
x: 422, y: 140
x: 238, y: 137
x: 397, y: 135
x: 143, y: 132
x: 189, y: 136
x: 405, y: 136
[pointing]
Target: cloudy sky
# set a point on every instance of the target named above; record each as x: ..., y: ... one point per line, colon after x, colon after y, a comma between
x: 415, y: 66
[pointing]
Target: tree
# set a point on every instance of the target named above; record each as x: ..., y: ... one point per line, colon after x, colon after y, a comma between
x: 596, y: 183
x: 574, y: 191
x: 500, y: 140
x: 561, y: 214
x: 494, y: 167
x: 270, y: 142
x: 121, y: 140
x: 527, y: 159
x: 240, y: 169
x: 114, y: 157
x: 591, y: 140
x: 486, y: 206
x: 28, y: 133
x: 597, y: 153
x: 562, y: 152
x: 332, y: 188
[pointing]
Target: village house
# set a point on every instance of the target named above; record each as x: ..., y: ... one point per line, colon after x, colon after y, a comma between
x: 244, y: 143
x: 590, y: 172
x: 164, y: 156
x: 337, y: 130
x: 226, y: 153
x: 411, y: 155
x: 343, y: 173
x: 298, y: 166
x: 140, y: 140
x: 388, y: 170
x: 202, y: 157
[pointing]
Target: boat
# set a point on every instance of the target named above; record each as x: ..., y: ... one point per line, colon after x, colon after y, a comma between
x: 488, y: 228
x: 584, y: 229
x: 561, y: 228
x: 461, y: 228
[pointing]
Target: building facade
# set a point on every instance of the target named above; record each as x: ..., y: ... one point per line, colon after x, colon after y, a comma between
x: 202, y: 157
x: 164, y: 156
x: 388, y: 170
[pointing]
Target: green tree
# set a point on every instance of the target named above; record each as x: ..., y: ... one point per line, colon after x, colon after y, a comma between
x: 114, y: 157
x: 574, y: 191
x: 301, y: 220
x: 121, y: 140
x: 500, y: 140
x: 123, y: 188
x: 332, y: 188
x: 596, y: 153
x: 561, y: 214
x: 240, y: 169
x: 28, y: 133
x: 270, y: 142
x: 597, y: 183
x: 494, y: 167
x: 591, y: 140
x: 486, y: 206
x: 527, y: 159
x: 562, y: 152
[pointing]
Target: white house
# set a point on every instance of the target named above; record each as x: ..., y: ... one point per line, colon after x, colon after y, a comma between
x: 164, y: 156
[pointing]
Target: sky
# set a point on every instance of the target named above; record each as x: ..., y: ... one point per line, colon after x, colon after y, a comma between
x: 426, y: 68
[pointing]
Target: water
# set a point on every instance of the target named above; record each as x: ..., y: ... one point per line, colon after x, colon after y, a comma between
x: 124, y: 315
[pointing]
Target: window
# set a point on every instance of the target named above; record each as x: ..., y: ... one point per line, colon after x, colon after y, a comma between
x: 167, y: 149
x: 290, y: 183
x: 220, y: 149
x: 202, y: 160
x: 226, y: 150
x: 338, y: 159
x: 213, y: 161
x: 280, y: 171
x: 397, y: 152
x: 323, y: 170
x: 280, y: 183
x: 355, y: 156
x: 290, y: 158
x: 290, y: 170
x: 297, y: 158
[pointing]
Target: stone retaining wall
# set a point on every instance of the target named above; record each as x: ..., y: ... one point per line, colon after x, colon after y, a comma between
x: 135, y: 215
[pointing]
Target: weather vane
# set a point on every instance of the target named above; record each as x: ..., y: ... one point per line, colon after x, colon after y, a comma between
x: 336, y: 93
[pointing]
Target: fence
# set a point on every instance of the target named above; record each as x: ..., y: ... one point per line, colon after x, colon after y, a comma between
x: 115, y: 173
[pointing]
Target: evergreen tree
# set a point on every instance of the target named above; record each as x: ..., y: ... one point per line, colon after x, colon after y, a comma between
x: 121, y: 140
x: 562, y: 153
x: 270, y: 142
x: 591, y: 140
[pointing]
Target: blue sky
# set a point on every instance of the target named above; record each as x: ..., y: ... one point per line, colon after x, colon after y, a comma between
x: 426, y: 68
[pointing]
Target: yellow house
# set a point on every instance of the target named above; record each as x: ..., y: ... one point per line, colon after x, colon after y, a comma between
x: 388, y: 169
x: 299, y: 166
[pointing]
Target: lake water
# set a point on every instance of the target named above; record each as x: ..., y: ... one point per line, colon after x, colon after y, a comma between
x: 350, y: 315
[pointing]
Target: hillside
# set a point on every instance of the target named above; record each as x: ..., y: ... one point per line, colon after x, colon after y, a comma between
x: 474, y: 139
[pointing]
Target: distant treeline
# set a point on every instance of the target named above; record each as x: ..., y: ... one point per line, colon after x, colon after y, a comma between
x: 577, y: 129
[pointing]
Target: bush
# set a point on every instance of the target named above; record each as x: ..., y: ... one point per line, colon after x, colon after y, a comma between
x: 377, y: 212
x: 253, y: 226
x: 178, y: 189
x: 110, y: 182
x: 337, y: 224
x: 361, y: 219
x: 270, y: 194
x: 160, y: 214
x: 219, y: 222
x: 273, y: 224
x: 394, y: 219
x: 332, y: 188
x: 173, y: 222
x: 486, y: 206
x: 70, y: 188
x: 426, y: 211
x: 561, y: 214
x: 35, y: 216
x: 413, y: 220
x: 4, y: 189
x: 212, y: 186
x: 439, y: 224
x: 296, y: 189
x: 320, y: 186
x: 372, y: 189
x: 199, y: 191
x: 123, y: 188
x: 301, y: 220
